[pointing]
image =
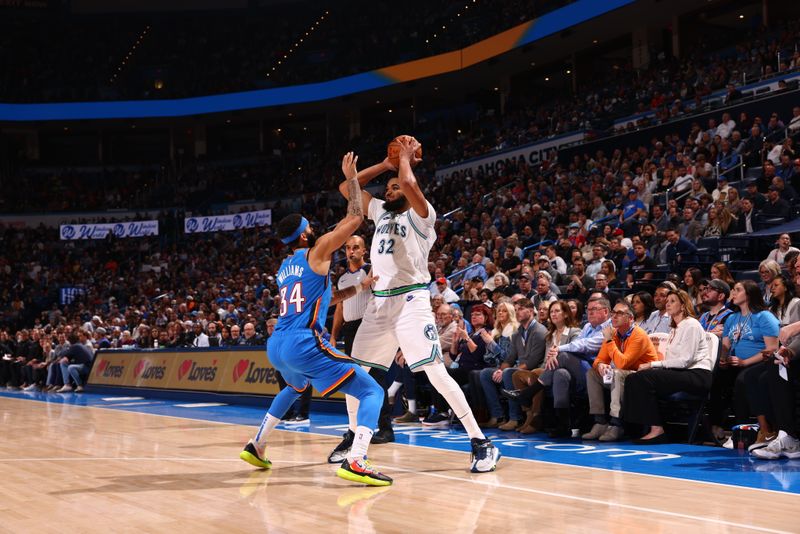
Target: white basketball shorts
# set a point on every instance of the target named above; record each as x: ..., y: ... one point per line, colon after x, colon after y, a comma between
x: 403, y: 321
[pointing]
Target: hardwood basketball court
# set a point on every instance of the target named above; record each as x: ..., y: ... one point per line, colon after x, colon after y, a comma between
x: 73, y: 468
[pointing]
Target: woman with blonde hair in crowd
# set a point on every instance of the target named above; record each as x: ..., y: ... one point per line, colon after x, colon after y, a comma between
x: 719, y: 271
x: 498, y: 345
x: 698, y: 188
x: 499, y: 340
x: 498, y: 281
x: 719, y: 220
x: 733, y: 202
x: 768, y: 270
x: 726, y: 218
x: 686, y: 366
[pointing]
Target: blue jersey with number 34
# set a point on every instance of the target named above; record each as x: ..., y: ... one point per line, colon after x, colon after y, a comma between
x: 305, y: 295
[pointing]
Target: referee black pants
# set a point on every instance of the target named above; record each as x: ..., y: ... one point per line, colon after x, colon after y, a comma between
x: 349, y: 329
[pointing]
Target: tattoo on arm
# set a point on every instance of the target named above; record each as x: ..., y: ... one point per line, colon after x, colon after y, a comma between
x: 354, y: 203
x: 338, y: 295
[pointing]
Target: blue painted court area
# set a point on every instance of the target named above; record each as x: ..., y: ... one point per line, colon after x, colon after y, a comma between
x: 688, y: 462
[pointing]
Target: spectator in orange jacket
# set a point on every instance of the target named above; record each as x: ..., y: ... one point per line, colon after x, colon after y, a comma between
x: 624, y: 348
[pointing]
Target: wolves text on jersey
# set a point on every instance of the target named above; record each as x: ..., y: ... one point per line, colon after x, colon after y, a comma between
x: 391, y: 228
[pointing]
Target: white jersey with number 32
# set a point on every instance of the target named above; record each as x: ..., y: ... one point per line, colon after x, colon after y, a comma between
x: 400, y: 246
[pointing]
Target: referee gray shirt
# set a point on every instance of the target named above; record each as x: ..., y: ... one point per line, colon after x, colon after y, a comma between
x: 353, y: 308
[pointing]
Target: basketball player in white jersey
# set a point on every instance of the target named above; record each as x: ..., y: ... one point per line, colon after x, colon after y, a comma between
x: 399, y: 312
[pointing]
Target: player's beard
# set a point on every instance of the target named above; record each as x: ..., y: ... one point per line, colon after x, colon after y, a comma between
x: 395, y: 205
x: 311, y: 239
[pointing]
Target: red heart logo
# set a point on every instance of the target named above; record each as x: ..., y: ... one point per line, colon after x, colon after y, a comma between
x: 239, y: 369
x: 101, y: 366
x: 184, y: 368
x: 139, y: 368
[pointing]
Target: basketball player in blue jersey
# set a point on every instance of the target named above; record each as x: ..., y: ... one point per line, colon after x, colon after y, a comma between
x: 297, y: 348
x: 399, y: 311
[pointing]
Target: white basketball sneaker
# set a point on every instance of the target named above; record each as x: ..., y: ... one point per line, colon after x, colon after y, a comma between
x: 484, y: 455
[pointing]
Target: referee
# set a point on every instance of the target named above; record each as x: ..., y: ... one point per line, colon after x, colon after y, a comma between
x: 347, y: 318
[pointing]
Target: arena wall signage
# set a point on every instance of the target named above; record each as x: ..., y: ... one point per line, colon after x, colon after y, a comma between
x: 221, y: 223
x: 233, y: 370
x: 494, y: 163
x: 71, y: 232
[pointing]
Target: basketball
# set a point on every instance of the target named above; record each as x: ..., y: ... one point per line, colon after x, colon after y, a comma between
x: 393, y: 151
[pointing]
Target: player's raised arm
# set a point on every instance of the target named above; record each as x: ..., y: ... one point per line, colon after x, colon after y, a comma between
x: 365, y: 177
x: 335, y: 239
x: 407, y: 180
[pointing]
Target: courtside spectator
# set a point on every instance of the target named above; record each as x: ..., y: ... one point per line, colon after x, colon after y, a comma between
x: 686, y: 366
x: 625, y: 347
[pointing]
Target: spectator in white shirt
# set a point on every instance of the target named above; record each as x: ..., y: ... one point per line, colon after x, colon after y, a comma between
x: 726, y: 127
x: 683, y: 183
x: 794, y: 124
x: 686, y: 366
x: 556, y: 261
x: 784, y: 246
x: 447, y: 294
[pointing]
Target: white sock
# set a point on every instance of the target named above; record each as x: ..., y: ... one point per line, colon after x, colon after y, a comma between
x: 452, y: 393
x: 412, y: 406
x: 393, y: 389
x: 352, y: 411
x: 360, y: 443
x: 267, y: 425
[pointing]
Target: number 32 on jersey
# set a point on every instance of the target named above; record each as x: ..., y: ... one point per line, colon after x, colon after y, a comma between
x: 386, y: 246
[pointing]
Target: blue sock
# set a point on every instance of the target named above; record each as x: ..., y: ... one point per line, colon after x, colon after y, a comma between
x: 370, y: 395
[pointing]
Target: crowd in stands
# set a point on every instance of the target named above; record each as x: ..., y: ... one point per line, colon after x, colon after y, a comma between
x: 670, y: 87
x: 586, y: 260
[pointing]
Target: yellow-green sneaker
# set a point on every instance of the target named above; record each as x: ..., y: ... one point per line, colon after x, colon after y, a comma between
x: 251, y: 456
x: 363, y: 472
